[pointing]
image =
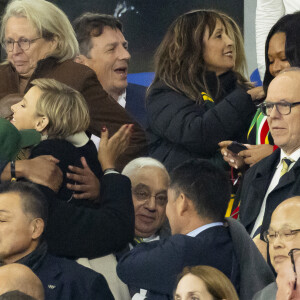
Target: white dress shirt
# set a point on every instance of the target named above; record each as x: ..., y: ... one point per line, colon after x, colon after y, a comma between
x: 200, y: 229
x: 276, y: 177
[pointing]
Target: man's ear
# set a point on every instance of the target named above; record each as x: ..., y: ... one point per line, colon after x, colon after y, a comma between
x: 182, y: 204
x: 41, y: 123
x: 38, y: 226
x: 81, y: 59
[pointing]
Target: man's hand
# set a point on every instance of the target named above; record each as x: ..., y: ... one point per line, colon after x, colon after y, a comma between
x: 110, y: 149
x: 255, y: 153
x: 86, y: 182
x: 42, y: 170
x: 286, y: 281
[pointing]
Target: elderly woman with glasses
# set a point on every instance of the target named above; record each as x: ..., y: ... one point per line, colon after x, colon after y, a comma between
x: 40, y: 43
x: 283, y: 240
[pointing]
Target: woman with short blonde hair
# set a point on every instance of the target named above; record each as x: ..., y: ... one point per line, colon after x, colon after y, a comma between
x: 65, y: 108
x: 61, y: 115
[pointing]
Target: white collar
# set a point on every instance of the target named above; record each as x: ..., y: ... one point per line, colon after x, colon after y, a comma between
x: 122, y: 99
x: 78, y: 139
x: 196, y: 231
x: 294, y: 156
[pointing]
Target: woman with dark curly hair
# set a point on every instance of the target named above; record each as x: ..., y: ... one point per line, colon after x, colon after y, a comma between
x: 198, y: 97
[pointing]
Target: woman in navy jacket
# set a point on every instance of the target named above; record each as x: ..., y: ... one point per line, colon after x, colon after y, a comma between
x: 199, y: 95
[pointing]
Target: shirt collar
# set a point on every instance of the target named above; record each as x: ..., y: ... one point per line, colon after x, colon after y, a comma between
x: 78, y: 139
x: 200, y: 229
x: 122, y: 99
x: 294, y: 156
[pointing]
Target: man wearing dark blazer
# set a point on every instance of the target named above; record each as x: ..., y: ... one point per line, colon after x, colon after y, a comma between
x: 275, y: 178
x: 135, y: 103
x: 104, y: 49
x: 23, y: 210
x: 197, y: 202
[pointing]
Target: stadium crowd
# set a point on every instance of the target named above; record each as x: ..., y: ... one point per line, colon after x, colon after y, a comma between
x: 189, y: 189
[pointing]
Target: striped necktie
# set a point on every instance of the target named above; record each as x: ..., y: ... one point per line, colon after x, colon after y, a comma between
x: 137, y: 240
x: 286, y: 162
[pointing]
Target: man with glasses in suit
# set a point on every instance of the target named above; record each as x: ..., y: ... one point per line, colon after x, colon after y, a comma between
x: 277, y: 177
x: 283, y: 239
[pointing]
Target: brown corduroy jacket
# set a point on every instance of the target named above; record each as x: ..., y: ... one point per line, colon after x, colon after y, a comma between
x: 104, y: 110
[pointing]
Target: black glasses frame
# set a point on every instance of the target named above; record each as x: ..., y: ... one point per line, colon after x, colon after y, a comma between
x: 291, y: 254
x: 263, y: 106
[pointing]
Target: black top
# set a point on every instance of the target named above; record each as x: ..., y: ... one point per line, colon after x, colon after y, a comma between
x: 66, y: 279
x: 155, y: 266
x: 68, y: 154
x: 180, y: 129
x: 77, y: 231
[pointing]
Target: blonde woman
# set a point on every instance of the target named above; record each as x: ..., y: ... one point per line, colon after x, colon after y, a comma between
x: 61, y: 115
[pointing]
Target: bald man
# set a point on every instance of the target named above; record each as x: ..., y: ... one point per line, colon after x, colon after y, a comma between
x: 277, y: 177
x: 20, y: 277
x: 282, y: 236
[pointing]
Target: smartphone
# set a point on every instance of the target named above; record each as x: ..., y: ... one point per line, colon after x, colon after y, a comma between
x: 236, y: 147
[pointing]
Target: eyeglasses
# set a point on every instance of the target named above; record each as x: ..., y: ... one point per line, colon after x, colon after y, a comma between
x: 160, y: 199
x: 283, y: 107
x: 291, y: 254
x: 284, y: 234
x: 23, y: 43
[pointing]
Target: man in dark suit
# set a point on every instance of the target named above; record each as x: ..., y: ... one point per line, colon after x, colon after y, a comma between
x: 104, y: 49
x: 277, y: 177
x: 197, y: 202
x: 23, y: 215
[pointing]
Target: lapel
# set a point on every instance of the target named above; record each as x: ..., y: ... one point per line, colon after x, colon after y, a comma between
x: 264, y: 173
x: 259, y: 182
x: 44, y: 66
x: 289, y: 177
x: 50, y: 275
x: 128, y: 106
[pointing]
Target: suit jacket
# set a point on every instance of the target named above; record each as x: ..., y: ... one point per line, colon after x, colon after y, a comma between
x: 252, y: 272
x: 135, y: 103
x: 103, y: 109
x: 255, y: 185
x: 67, y: 280
x: 268, y: 293
x: 77, y: 231
x: 154, y: 266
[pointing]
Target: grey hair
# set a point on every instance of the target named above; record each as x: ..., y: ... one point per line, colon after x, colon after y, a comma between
x: 50, y: 22
x: 140, y: 163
